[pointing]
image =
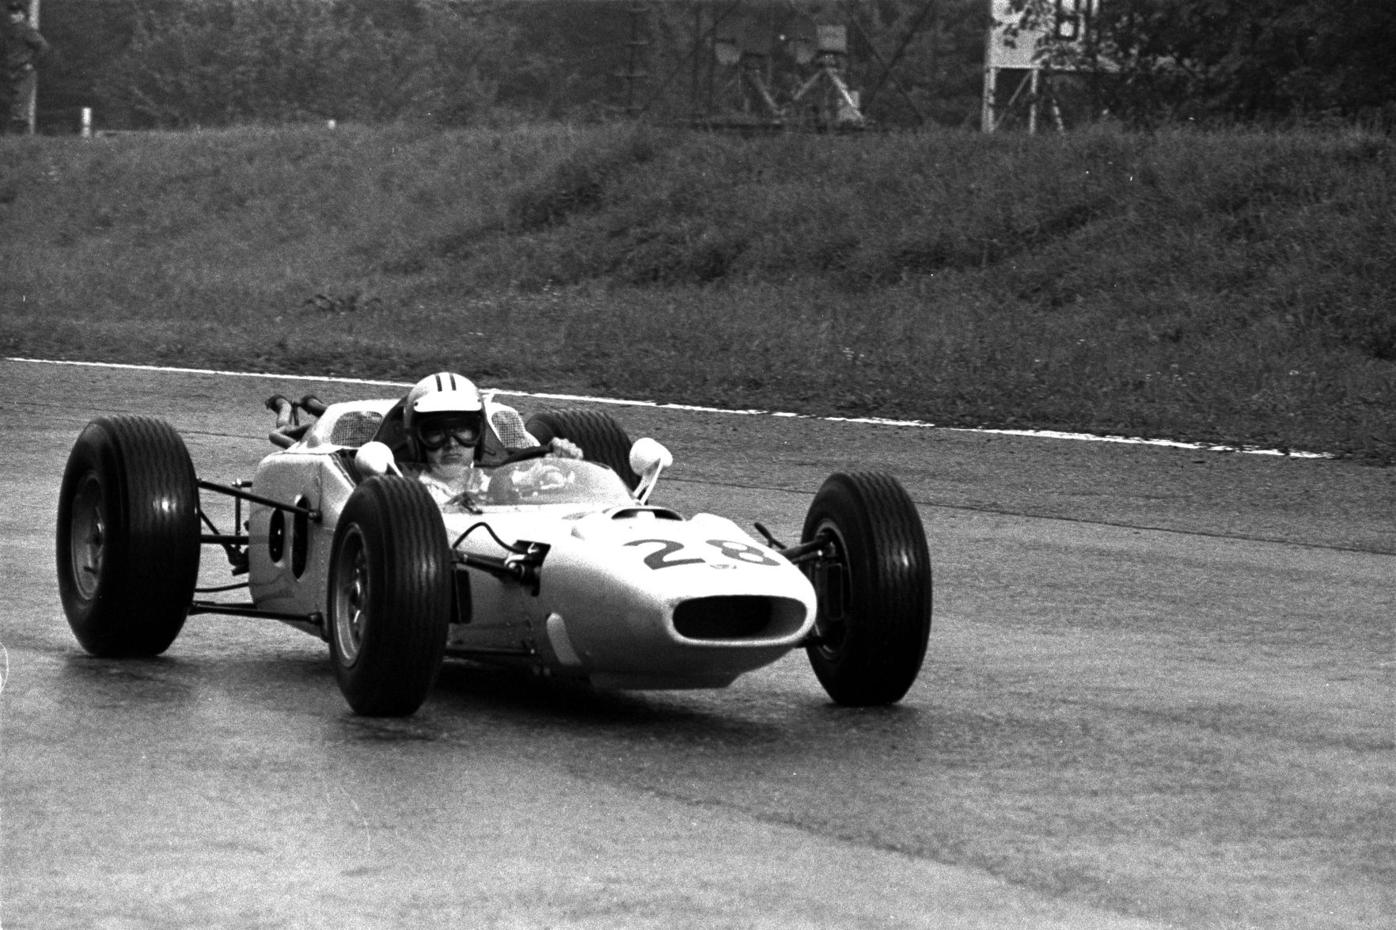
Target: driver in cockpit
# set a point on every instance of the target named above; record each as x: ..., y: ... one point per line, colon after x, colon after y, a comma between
x: 451, y: 429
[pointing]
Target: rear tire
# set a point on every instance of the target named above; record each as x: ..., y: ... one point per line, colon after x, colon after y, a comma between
x: 389, y: 602
x: 874, y: 594
x: 602, y: 439
x: 127, y: 536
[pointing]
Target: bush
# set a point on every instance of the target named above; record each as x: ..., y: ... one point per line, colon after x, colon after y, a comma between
x: 222, y: 62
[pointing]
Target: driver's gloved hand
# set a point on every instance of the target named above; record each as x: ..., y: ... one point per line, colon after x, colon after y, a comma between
x: 565, y: 448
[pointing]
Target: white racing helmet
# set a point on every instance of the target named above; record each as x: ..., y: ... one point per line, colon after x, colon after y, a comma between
x: 442, y: 396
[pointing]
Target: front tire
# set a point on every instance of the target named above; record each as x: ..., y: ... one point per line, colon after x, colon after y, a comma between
x: 389, y: 601
x: 602, y: 439
x: 874, y: 589
x: 127, y: 536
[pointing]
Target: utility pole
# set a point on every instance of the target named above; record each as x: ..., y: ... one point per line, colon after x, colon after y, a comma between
x: 31, y: 93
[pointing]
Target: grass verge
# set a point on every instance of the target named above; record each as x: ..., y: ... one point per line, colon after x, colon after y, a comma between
x: 1230, y: 288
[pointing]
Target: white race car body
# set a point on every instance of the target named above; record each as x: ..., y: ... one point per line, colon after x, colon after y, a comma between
x: 546, y: 562
x: 617, y: 592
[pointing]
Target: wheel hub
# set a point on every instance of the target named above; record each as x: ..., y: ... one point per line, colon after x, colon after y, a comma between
x: 88, y: 538
x: 351, y: 602
x: 829, y: 576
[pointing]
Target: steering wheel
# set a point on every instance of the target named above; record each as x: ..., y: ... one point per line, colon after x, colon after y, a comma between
x: 523, y: 455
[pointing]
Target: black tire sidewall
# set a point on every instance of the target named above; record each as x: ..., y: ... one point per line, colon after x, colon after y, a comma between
x: 884, y: 547
x: 150, y: 552
x: 409, y: 596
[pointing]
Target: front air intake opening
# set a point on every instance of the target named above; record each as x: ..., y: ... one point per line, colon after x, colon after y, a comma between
x: 740, y: 616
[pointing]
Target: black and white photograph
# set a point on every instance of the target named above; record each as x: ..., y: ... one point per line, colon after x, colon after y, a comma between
x: 674, y: 464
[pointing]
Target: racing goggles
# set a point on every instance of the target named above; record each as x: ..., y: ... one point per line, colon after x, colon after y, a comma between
x: 433, y: 436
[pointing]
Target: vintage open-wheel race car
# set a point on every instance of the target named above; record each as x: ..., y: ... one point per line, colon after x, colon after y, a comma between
x: 561, y: 566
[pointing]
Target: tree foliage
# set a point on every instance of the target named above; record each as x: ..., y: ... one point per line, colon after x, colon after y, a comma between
x: 146, y: 63
x: 225, y: 61
x: 1231, y: 60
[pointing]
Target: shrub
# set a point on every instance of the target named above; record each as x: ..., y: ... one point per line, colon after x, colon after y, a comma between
x: 221, y: 62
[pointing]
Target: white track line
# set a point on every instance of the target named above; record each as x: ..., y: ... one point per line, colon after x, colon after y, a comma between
x: 619, y: 402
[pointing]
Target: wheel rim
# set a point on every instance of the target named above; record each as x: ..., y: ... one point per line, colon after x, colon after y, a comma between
x: 832, y: 631
x: 351, y: 597
x: 87, y: 538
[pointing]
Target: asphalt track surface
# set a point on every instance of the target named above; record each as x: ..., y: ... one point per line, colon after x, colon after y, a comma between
x: 1122, y: 636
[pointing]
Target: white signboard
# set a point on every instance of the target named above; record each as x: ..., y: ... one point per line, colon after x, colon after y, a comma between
x: 1062, y: 21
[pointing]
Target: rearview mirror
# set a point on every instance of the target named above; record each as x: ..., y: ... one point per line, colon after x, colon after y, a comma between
x: 648, y: 455
x: 375, y: 458
x: 647, y: 459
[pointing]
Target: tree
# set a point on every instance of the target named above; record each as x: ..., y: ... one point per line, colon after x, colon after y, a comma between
x: 1231, y: 60
x: 224, y: 61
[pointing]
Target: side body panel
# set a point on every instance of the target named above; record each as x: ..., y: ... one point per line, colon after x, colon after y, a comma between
x: 288, y: 553
x: 626, y: 596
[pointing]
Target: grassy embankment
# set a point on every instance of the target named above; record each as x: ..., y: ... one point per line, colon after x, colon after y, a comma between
x: 1235, y: 288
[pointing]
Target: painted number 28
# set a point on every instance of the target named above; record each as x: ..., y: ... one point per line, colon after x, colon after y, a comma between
x: 671, y: 553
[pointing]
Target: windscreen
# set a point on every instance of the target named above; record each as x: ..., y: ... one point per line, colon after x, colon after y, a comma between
x: 541, y: 482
